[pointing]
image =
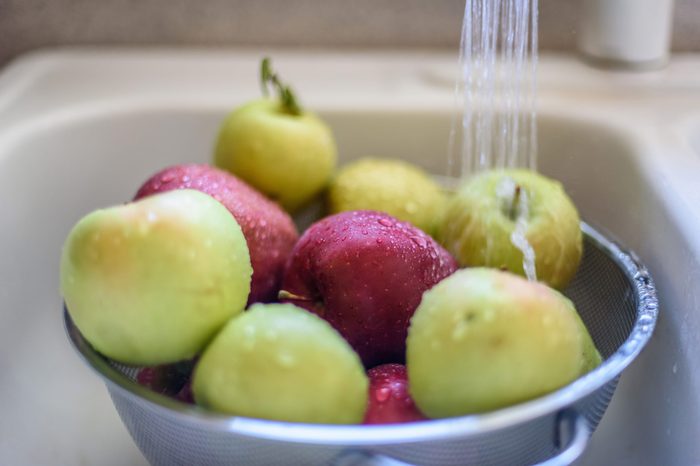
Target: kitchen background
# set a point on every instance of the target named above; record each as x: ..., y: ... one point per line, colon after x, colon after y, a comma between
x: 29, y: 24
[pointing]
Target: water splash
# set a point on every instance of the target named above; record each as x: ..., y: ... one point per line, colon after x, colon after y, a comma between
x: 520, y: 241
x: 513, y: 195
x: 496, y: 88
x: 496, y: 91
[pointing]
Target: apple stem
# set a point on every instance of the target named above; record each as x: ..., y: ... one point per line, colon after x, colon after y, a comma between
x: 284, y: 294
x: 513, y: 212
x: 285, y: 93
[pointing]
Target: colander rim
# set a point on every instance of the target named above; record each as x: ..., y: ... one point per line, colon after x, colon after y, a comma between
x: 462, y: 426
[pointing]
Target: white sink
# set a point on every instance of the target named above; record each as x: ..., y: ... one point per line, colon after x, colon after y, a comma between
x: 81, y: 129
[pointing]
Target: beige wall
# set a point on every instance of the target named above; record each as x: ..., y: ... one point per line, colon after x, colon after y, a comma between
x: 29, y: 24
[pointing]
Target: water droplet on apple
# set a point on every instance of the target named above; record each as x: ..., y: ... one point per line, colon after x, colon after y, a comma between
x: 420, y: 242
x: 396, y: 392
x: 365, y: 232
x: 286, y: 360
x: 382, y: 394
x: 385, y: 222
x: 167, y: 178
x: 185, y: 179
x: 380, y: 240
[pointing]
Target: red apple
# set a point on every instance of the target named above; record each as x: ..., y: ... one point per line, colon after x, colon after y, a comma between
x: 268, y: 230
x: 389, y: 400
x: 185, y: 394
x: 365, y: 272
x: 166, y: 379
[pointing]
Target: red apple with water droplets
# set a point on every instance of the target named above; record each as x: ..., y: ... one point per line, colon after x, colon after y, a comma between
x: 389, y: 400
x: 365, y: 272
x: 269, y: 230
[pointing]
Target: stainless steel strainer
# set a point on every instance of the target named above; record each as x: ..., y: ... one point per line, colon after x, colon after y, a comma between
x: 616, y: 299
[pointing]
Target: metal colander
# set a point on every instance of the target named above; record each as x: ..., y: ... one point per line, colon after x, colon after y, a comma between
x: 616, y: 299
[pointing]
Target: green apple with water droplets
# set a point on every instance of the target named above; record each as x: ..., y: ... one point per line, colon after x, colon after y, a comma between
x: 280, y: 362
x: 393, y: 186
x: 484, y: 339
x: 286, y: 152
x: 497, y: 215
x: 151, y: 282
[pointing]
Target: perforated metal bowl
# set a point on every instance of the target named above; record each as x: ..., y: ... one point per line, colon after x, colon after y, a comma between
x: 613, y: 293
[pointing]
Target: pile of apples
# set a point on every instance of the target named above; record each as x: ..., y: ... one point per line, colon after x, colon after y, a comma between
x: 404, y: 303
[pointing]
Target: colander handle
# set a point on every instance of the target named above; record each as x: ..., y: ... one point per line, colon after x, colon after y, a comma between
x: 574, y: 427
x: 570, y: 423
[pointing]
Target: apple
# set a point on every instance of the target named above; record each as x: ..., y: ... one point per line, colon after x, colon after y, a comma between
x: 365, y: 273
x: 483, y: 339
x: 166, y: 379
x: 151, y: 282
x: 389, y: 399
x: 280, y: 362
x: 285, y: 152
x: 185, y: 394
x: 495, y: 210
x: 392, y: 186
x: 269, y: 231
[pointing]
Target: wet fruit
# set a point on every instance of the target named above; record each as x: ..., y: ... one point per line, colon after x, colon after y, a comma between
x: 365, y: 273
x: 281, y: 362
x: 389, y: 399
x: 268, y: 230
x: 483, y: 339
x: 152, y: 281
x: 393, y: 186
x: 498, y: 214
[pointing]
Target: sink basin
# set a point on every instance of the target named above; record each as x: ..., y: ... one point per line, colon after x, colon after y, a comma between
x: 82, y: 129
x: 693, y: 133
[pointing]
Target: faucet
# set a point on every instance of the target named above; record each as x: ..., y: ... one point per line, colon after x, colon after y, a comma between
x: 633, y: 34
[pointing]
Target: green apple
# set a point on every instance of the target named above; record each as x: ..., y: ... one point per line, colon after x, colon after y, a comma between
x: 483, y: 339
x: 277, y: 361
x: 496, y: 215
x: 392, y: 186
x: 285, y: 152
x: 591, y: 355
x: 151, y: 282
